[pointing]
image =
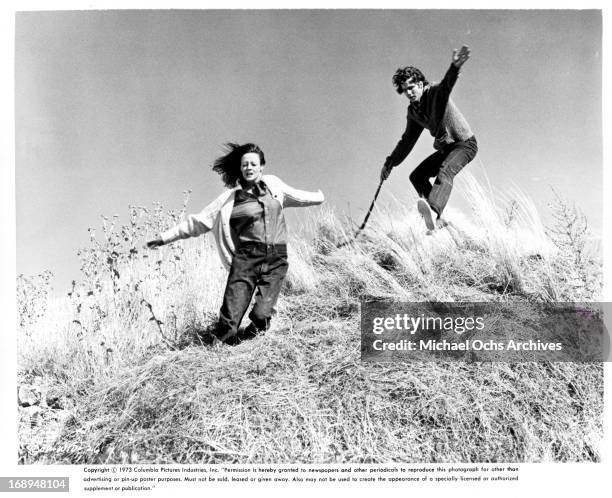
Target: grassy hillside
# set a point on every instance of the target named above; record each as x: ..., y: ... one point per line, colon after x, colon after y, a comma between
x: 114, y: 372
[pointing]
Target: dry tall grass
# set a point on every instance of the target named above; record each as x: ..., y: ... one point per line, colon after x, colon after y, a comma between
x: 129, y: 381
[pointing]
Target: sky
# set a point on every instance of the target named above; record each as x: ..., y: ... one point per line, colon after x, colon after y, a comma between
x: 114, y: 108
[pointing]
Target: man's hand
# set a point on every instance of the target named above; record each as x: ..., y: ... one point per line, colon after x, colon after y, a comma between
x: 152, y: 244
x: 385, y: 171
x: 460, y: 56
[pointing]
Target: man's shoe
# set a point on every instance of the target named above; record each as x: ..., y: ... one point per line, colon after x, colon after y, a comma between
x: 441, y: 223
x: 425, y: 212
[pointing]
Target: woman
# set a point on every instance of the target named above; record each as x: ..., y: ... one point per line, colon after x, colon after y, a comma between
x: 249, y: 228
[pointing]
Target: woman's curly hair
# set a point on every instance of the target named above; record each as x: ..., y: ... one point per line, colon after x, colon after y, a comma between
x: 228, y: 165
x: 403, y: 74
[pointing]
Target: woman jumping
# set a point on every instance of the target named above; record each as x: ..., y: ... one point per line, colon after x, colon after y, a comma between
x: 249, y: 228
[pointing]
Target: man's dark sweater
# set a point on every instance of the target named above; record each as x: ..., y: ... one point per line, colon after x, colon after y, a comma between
x: 436, y: 112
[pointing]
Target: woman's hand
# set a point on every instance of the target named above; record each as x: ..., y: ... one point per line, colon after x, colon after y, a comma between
x: 152, y: 244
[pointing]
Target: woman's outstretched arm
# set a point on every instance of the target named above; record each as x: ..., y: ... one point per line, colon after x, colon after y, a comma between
x: 294, y: 197
x: 192, y: 226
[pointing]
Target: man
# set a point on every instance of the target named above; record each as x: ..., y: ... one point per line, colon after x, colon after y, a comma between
x: 431, y: 107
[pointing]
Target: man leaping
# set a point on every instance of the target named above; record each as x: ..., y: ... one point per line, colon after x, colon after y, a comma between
x: 431, y: 107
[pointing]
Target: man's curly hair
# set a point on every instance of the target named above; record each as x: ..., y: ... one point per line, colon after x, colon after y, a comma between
x: 403, y: 74
x: 228, y: 165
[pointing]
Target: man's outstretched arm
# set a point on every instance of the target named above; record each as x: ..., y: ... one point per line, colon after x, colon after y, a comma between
x: 402, y: 149
x: 460, y: 56
x: 450, y: 78
x: 442, y: 91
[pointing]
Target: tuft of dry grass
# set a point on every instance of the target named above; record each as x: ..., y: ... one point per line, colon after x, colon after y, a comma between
x: 122, y: 350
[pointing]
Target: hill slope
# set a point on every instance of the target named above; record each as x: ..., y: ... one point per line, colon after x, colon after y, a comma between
x: 122, y: 377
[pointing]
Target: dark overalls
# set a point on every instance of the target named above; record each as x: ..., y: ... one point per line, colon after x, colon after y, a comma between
x: 259, y: 265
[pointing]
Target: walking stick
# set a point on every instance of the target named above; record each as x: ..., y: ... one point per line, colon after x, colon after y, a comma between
x: 367, y: 216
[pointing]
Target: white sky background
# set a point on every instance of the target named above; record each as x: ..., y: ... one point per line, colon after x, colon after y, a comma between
x: 116, y: 108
